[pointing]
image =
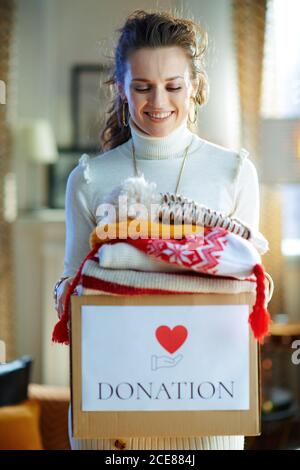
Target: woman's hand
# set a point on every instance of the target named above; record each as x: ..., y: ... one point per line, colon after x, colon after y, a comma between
x: 61, y: 295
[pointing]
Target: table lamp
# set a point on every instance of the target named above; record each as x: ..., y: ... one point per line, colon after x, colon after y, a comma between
x: 35, y: 143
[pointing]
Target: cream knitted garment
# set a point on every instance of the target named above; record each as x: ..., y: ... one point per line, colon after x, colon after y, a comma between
x: 170, y: 281
x: 124, y: 256
x: 219, y: 178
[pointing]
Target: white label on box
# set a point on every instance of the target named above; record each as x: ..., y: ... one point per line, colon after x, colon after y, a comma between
x: 154, y: 358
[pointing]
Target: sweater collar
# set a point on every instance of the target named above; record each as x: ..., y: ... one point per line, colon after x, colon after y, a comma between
x: 158, y: 148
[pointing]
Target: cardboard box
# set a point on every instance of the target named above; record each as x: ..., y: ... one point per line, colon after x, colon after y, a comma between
x: 115, y: 411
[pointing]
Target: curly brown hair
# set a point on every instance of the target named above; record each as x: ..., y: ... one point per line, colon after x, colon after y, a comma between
x: 144, y: 29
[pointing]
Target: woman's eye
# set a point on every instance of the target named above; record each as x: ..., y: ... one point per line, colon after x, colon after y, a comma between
x: 147, y: 89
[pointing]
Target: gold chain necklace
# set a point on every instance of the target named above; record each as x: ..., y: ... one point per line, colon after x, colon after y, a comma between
x: 137, y: 173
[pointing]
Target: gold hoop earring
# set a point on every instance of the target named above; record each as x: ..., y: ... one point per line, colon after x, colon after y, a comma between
x: 123, y: 116
x: 195, y: 113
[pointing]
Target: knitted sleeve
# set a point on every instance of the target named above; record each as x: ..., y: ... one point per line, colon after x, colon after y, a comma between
x: 80, y: 221
x: 247, y: 203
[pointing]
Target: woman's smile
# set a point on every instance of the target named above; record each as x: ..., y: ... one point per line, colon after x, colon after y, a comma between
x: 159, y: 117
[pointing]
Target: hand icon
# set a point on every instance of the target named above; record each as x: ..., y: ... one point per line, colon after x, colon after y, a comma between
x: 164, y: 361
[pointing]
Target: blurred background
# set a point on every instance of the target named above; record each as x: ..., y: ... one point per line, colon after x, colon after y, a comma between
x: 54, y: 57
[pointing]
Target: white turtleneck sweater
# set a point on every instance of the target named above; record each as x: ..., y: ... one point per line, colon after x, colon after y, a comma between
x: 219, y: 178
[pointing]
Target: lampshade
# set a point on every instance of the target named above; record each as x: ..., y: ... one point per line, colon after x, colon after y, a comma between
x: 280, y: 150
x: 36, y: 141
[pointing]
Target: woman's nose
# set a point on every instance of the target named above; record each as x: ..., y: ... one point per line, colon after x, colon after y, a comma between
x: 158, y: 98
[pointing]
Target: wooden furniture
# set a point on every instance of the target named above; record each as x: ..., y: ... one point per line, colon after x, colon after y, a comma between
x: 54, y: 402
x: 281, y: 385
x: 285, y: 329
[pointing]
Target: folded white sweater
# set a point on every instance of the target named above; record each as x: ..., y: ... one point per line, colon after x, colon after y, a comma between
x: 124, y: 256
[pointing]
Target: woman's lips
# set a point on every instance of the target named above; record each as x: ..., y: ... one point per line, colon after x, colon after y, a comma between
x: 153, y: 119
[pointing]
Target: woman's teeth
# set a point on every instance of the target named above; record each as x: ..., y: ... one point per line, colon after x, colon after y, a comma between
x: 160, y: 116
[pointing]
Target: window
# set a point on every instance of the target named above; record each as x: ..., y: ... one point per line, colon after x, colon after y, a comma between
x: 281, y: 77
x: 281, y: 98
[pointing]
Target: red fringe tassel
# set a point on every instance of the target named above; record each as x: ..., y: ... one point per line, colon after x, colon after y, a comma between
x: 61, y: 333
x: 260, y: 318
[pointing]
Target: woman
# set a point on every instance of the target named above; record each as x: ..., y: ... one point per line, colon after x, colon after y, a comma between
x: 159, y: 79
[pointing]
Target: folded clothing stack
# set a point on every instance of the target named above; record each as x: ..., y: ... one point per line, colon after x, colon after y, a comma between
x: 192, y: 260
x: 98, y: 280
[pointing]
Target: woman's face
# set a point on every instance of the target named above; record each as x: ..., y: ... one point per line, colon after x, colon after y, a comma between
x: 158, y: 88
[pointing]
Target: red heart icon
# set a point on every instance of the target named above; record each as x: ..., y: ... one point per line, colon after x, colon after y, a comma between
x: 169, y: 339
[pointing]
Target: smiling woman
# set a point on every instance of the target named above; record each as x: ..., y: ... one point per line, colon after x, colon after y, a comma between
x: 159, y: 81
x: 158, y: 73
